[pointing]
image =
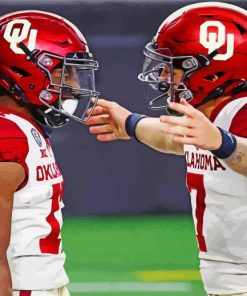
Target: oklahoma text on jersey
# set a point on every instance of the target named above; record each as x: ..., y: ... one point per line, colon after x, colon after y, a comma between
x: 203, y: 161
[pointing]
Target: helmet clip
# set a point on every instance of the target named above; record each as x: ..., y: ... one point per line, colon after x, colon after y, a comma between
x: 30, y: 55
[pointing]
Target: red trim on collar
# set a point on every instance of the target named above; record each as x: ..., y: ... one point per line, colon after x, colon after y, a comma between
x: 217, y: 109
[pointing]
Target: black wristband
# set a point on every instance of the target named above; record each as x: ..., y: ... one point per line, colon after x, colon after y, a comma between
x: 228, y: 146
x: 131, y: 122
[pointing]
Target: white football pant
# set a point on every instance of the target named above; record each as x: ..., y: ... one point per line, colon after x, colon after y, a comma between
x: 55, y: 292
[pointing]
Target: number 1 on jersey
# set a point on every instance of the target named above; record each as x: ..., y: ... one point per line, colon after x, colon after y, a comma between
x: 197, y: 192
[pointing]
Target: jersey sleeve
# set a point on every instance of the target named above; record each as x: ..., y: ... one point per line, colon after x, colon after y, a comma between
x: 238, y: 126
x: 13, y: 144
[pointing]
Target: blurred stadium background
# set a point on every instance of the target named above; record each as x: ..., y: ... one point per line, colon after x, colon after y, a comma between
x: 128, y: 229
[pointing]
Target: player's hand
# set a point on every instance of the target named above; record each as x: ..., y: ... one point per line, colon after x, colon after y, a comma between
x: 107, y: 121
x: 194, y: 128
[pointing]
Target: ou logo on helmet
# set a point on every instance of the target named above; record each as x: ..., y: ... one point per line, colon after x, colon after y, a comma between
x: 16, y: 35
x: 214, y: 41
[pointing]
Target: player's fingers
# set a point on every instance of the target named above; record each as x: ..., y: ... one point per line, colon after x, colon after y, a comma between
x: 106, y: 137
x: 100, y: 129
x: 94, y: 99
x: 184, y: 102
x: 175, y: 120
x: 104, y: 103
x: 97, y: 111
x: 100, y: 119
x: 186, y: 110
x: 184, y: 140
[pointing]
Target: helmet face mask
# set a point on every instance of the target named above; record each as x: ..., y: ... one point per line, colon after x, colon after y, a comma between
x: 206, y: 41
x: 165, y: 74
x: 47, y: 65
x: 73, y: 82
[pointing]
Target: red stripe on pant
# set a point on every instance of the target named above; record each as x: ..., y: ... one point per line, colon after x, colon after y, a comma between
x: 25, y: 293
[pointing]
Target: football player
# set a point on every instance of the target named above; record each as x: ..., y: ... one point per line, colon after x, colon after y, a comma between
x: 196, y: 67
x: 46, y: 79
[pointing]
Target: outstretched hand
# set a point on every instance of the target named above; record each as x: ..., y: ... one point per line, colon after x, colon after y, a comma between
x: 194, y: 128
x: 107, y: 121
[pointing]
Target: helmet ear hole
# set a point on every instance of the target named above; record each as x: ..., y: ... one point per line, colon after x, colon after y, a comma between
x: 220, y: 74
x: 214, y: 77
x: 20, y: 72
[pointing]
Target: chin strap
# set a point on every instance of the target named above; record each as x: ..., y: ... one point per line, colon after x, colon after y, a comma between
x: 242, y: 87
x: 30, y: 55
x: 51, y: 118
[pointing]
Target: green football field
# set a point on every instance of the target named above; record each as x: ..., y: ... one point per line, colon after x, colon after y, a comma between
x: 122, y: 256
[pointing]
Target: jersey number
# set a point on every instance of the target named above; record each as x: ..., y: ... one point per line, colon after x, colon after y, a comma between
x: 197, y: 192
x: 51, y: 243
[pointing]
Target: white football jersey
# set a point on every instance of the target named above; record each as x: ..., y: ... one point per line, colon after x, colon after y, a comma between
x: 219, y: 207
x: 35, y: 253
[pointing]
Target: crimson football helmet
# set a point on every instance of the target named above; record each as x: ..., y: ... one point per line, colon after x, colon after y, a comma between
x: 208, y: 42
x: 46, y: 62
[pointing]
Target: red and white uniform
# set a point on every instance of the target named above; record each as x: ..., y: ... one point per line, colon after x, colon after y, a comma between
x: 35, y: 253
x: 219, y: 206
